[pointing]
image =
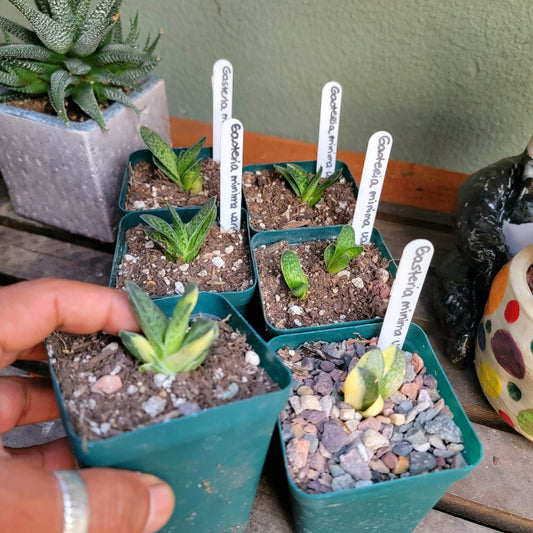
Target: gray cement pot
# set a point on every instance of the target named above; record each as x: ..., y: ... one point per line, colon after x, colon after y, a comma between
x: 69, y: 175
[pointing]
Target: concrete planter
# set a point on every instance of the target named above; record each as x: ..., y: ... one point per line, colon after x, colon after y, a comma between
x: 69, y: 176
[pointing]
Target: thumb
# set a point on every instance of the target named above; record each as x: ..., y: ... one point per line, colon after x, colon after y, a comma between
x: 120, y: 501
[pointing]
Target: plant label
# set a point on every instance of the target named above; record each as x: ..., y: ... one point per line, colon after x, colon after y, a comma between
x: 222, y: 84
x: 374, y: 169
x: 328, y: 133
x: 412, y: 270
x: 232, y: 135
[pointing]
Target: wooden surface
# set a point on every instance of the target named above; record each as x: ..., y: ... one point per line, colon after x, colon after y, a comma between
x: 416, y: 203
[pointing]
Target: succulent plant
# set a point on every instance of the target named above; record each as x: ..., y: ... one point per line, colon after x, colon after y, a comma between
x: 308, y: 188
x: 182, y: 240
x: 74, y: 52
x: 183, y: 169
x: 337, y: 256
x: 294, y: 275
x: 169, y: 345
x: 374, y: 378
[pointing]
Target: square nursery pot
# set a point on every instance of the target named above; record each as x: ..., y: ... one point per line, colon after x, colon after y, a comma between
x: 145, y: 156
x: 256, y: 213
x: 69, y: 175
x: 213, y: 458
x: 240, y: 299
x: 298, y: 236
x: 394, y: 505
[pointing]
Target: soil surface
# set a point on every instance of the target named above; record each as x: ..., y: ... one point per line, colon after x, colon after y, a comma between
x: 149, y: 188
x: 106, y: 394
x: 358, y: 293
x: 42, y: 105
x: 269, y: 198
x: 222, y: 265
x: 529, y: 277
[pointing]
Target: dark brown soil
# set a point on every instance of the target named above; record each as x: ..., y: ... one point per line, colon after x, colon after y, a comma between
x: 358, y: 293
x: 529, y: 277
x: 42, y: 105
x: 229, y: 373
x: 222, y: 265
x: 149, y: 188
x: 272, y: 204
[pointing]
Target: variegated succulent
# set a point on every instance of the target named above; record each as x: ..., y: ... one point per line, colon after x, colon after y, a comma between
x: 73, y: 51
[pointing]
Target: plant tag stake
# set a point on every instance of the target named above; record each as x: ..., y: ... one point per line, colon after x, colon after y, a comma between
x: 222, y: 84
x: 328, y: 133
x: 412, y: 270
x: 374, y: 169
x: 232, y: 135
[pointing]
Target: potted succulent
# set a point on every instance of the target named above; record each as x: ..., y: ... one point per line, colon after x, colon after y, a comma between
x: 196, y: 406
x: 72, y: 61
x: 163, y: 250
x: 362, y: 425
x: 183, y: 177
x: 292, y: 195
x: 312, y: 277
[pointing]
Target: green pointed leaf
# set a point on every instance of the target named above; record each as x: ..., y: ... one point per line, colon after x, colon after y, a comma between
x: 83, y: 95
x: 329, y: 252
x: 95, y: 27
x: 169, y: 173
x: 46, y: 69
x: 59, y: 82
x: 179, y: 323
x: 198, y: 227
x: 116, y: 95
x: 151, y: 319
x: 181, y: 237
x: 195, y: 347
x: 61, y: 11
x: 373, y: 361
x: 149, y: 48
x: 133, y: 34
x: 309, y: 193
x: 52, y: 33
x: 338, y: 264
x: 20, y: 32
x: 29, y: 51
x: 165, y: 244
x: 77, y: 66
x: 119, y: 53
x: 164, y: 229
x: 192, y: 178
x: 294, y: 275
x: 163, y: 153
x: 330, y: 180
x: 81, y: 11
x: 104, y: 76
x: 360, y: 388
x: 138, y: 346
x: 394, y: 371
x: 187, y: 158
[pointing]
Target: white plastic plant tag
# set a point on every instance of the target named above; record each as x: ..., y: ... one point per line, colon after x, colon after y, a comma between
x: 328, y: 133
x: 372, y: 178
x: 412, y: 270
x: 231, y: 175
x: 222, y: 84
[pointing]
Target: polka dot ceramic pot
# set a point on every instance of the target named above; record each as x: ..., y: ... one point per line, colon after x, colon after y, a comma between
x: 504, y: 346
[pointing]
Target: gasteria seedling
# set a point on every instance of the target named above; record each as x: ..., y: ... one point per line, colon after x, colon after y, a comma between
x: 294, y: 275
x: 73, y: 52
x: 337, y: 256
x: 375, y: 377
x: 169, y: 345
x: 180, y: 240
x: 308, y: 188
x: 183, y: 169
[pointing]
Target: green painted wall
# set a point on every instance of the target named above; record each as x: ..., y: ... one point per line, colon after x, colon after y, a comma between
x: 450, y: 80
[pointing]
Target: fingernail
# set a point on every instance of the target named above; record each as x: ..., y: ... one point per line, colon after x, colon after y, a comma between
x: 161, y: 503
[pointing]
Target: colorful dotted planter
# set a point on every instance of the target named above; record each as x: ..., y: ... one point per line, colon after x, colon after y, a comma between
x: 504, y: 345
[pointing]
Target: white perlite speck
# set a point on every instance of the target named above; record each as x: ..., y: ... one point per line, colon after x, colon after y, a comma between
x: 252, y: 358
x: 162, y: 381
x: 295, y: 310
x: 129, y: 257
x: 218, y: 261
x: 139, y: 204
x: 154, y: 406
x: 358, y: 282
x: 179, y: 288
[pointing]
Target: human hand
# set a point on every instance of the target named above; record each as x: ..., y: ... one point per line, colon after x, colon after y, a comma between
x: 120, y: 501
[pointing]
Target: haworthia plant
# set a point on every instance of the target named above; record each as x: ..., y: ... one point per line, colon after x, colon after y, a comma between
x: 71, y: 51
x: 294, y: 275
x: 374, y: 378
x: 169, y: 345
x: 181, y: 240
x: 337, y: 256
x: 308, y: 188
x: 183, y: 169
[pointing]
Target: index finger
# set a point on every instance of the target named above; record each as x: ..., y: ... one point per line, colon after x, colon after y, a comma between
x: 31, y: 310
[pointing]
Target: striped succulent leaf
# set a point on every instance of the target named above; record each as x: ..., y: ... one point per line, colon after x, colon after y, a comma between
x: 337, y: 256
x: 66, y: 35
x: 294, y: 275
x: 170, y: 345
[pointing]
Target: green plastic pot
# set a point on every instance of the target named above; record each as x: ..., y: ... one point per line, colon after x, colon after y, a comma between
x: 308, y: 166
x: 211, y: 459
x: 298, y: 236
x: 240, y: 299
x: 397, y: 505
x: 140, y: 156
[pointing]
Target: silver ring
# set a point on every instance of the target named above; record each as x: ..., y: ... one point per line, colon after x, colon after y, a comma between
x: 75, y: 501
